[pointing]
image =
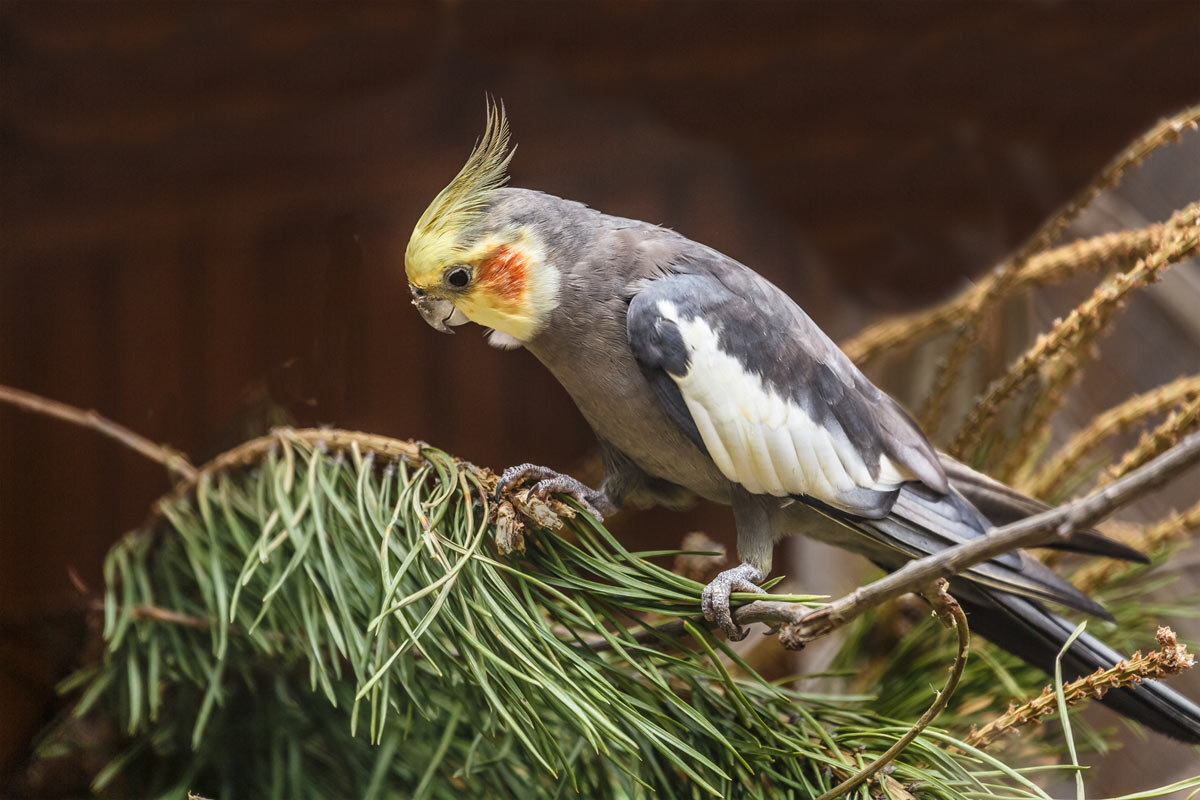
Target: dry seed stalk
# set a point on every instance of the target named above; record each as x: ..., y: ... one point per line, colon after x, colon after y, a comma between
x: 1082, y: 325
x: 1170, y: 659
x: 1173, y: 428
x: 1118, y: 250
x: 1165, y: 131
x: 1115, y: 420
x: 1059, y: 374
x: 1168, y: 532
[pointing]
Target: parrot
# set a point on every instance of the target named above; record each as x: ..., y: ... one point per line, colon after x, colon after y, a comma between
x: 700, y: 378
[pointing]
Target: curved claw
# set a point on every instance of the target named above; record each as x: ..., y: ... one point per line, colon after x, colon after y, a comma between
x: 519, y: 474
x: 564, y: 484
x: 552, y: 482
x: 714, y: 600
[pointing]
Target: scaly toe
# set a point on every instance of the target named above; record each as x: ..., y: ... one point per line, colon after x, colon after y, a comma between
x: 714, y: 602
x: 564, y: 484
x: 522, y: 472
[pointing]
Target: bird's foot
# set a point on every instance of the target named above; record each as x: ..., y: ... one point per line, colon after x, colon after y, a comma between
x: 549, y: 482
x: 715, y: 599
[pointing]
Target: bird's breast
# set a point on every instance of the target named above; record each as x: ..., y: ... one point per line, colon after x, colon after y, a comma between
x: 622, y: 408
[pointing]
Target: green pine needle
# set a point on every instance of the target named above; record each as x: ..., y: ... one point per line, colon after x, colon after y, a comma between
x: 323, y: 625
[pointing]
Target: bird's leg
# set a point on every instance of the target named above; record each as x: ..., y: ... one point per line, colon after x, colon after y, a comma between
x: 595, y: 501
x: 715, y: 598
x: 752, y: 514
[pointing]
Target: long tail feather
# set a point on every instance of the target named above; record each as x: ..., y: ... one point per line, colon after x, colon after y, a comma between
x: 1002, y: 504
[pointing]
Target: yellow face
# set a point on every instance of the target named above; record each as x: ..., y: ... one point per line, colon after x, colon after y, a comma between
x: 501, y: 282
x: 501, y: 279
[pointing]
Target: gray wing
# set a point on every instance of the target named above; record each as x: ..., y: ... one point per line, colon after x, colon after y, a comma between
x: 781, y: 411
x: 777, y: 406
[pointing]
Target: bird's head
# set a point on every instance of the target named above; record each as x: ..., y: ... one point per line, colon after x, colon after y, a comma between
x: 466, y: 262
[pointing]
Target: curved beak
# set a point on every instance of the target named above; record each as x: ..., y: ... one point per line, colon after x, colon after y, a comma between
x: 437, y: 312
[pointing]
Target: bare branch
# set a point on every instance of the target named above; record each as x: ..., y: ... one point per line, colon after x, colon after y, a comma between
x: 168, y: 457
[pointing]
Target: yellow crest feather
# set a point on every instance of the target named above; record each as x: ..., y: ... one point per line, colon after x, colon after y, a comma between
x: 434, y: 242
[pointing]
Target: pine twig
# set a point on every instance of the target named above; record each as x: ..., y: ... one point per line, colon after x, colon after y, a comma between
x: 1082, y: 325
x: 1169, y: 532
x: 1165, y: 131
x: 803, y: 626
x: 1118, y: 250
x: 951, y: 614
x: 160, y: 614
x: 28, y: 401
x: 1170, y: 659
x: 1113, y: 421
x: 1175, y: 426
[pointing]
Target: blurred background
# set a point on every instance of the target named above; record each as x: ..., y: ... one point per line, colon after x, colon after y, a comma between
x: 203, y: 210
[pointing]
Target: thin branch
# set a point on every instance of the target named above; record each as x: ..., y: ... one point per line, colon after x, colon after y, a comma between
x: 804, y: 626
x: 160, y: 614
x: 1169, y: 532
x: 1165, y: 131
x: 1171, y: 658
x: 171, y: 459
x: 1115, y: 420
x: 952, y: 614
x: 1082, y: 325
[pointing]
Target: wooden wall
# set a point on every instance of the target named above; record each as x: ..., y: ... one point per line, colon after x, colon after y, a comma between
x: 203, y: 207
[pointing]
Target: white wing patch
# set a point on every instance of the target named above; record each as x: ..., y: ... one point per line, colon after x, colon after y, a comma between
x: 763, y: 441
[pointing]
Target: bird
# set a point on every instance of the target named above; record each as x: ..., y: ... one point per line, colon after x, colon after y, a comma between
x: 699, y: 377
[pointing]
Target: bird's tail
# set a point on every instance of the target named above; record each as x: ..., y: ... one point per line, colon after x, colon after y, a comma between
x: 1030, y: 631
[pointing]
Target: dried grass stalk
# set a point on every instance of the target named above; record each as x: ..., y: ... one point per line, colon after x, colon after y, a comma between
x: 1005, y: 274
x: 1170, y: 532
x: 1115, y: 420
x: 1170, y: 659
x: 1179, y: 424
x: 1118, y: 250
x: 1080, y: 328
x: 1059, y: 374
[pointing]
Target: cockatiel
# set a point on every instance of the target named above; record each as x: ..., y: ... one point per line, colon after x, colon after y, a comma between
x: 700, y: 377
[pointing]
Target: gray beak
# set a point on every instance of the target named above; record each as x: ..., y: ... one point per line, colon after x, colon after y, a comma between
x: 437, y: 312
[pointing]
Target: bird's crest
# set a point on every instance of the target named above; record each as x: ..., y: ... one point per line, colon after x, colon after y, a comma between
x: 436, y: 237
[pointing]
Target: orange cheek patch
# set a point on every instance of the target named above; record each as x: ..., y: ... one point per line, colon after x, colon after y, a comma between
x: 504, y: 273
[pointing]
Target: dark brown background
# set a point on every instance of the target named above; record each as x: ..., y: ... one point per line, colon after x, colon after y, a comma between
x: 203, y: 207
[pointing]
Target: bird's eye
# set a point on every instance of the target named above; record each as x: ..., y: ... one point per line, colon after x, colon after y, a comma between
x: 458, y: 277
